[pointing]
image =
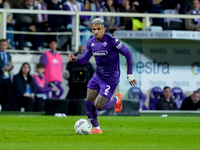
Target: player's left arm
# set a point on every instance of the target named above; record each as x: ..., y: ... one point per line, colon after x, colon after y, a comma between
x: 122, y: 49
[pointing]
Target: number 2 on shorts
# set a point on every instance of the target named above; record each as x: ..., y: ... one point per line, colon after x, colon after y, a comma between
x: 106, y: 90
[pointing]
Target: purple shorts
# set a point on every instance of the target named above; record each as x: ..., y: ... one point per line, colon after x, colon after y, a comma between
x: 105, y: 89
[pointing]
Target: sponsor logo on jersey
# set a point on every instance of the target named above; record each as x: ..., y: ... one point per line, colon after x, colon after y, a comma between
x: 104, y: 44
x: 55, y: 61
x: 100, y: 53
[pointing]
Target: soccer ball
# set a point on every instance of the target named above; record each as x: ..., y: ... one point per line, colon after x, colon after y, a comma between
x: 83, y: 126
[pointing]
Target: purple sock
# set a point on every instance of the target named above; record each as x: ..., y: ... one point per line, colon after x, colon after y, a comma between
x: 109, y: 104
x: 91, y: 113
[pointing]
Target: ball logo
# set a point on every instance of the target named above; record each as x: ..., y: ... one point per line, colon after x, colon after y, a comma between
x: 80, y: 123
x: 84, y: 132
x: 195, y: 68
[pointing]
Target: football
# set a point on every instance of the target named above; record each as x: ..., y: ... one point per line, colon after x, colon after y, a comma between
x: 83, y: 126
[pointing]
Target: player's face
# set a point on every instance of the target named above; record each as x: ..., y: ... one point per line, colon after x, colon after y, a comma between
x: 195, y: 97
x: 196, y: 4
x: 53, y: 45
x: 109, y: 2
x: 40, y: 71
x: 29, y: 3
x: 167, y: 93
x: 3, y: 46
x: 25, y: 69
x: 98, y: 31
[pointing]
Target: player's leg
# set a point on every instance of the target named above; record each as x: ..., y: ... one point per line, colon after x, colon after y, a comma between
x: 103, y: 103
x: 90, y: 109
x: 92, y: 92
x: 104, y: 100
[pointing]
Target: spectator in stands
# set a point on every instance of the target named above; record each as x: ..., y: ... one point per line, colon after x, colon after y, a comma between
x: 134, y: 23
x: 192, y: 102
x: 124, y: 7
x: 156, y: 8
x: 42, y: 18
x: 145, y: 5
x: 29, y: 22
x: 73, y: 5
x: 42, y: 88
x: 5, y: 67
x: 186, y: 5
x: 52, y: 61
x: 193, y: 24
x: 24, y: 88
x: 94, y: 6
x: 170, y: 4
x: 165, y: 102
x: 16, y: 3
x: 60, y: 19
x: 1, y: 3
x: 111, y: 22
x: 79, y: 76
x: 10, y: 23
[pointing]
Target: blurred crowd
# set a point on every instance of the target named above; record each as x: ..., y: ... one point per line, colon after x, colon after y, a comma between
x: 59, y: 23
x: 28, y: 91
x: 167, y: 99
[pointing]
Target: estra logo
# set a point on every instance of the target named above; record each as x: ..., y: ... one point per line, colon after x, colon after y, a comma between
x: 195, y: 68
x: 151, y: 67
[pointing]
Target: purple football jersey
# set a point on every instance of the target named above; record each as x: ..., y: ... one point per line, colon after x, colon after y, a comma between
x: 106, y: 53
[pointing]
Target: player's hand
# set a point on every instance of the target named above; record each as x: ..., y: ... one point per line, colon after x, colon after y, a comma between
x: 133, y: 82
x: 71, y: 58
x: 32, y: 28
x: 53, y: 89
x: 9, y: 67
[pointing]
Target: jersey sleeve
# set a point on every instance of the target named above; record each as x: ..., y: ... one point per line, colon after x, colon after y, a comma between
x: 43, y: 59
x: 122, y: 49
x: 86, y: 57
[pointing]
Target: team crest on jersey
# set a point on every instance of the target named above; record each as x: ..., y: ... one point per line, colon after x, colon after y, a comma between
x: 92, y: 44
x: 55, y: 61
x: 104, y: 44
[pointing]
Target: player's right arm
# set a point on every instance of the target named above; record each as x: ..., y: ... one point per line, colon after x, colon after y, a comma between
x: 84, y: 59
x: 71, y: 58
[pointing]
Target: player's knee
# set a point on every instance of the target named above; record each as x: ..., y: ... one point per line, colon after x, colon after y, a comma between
x: 90, y: 99
x: 98, y: 105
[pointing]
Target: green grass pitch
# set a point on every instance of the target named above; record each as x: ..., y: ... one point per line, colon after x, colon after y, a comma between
x: 40, y: 132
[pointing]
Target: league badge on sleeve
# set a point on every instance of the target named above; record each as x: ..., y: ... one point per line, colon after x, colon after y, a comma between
x: 104, y: 44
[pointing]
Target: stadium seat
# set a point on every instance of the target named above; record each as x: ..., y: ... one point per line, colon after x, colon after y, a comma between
x: 136, y: 93
x: 155, y: 94
x: 178, y: 96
